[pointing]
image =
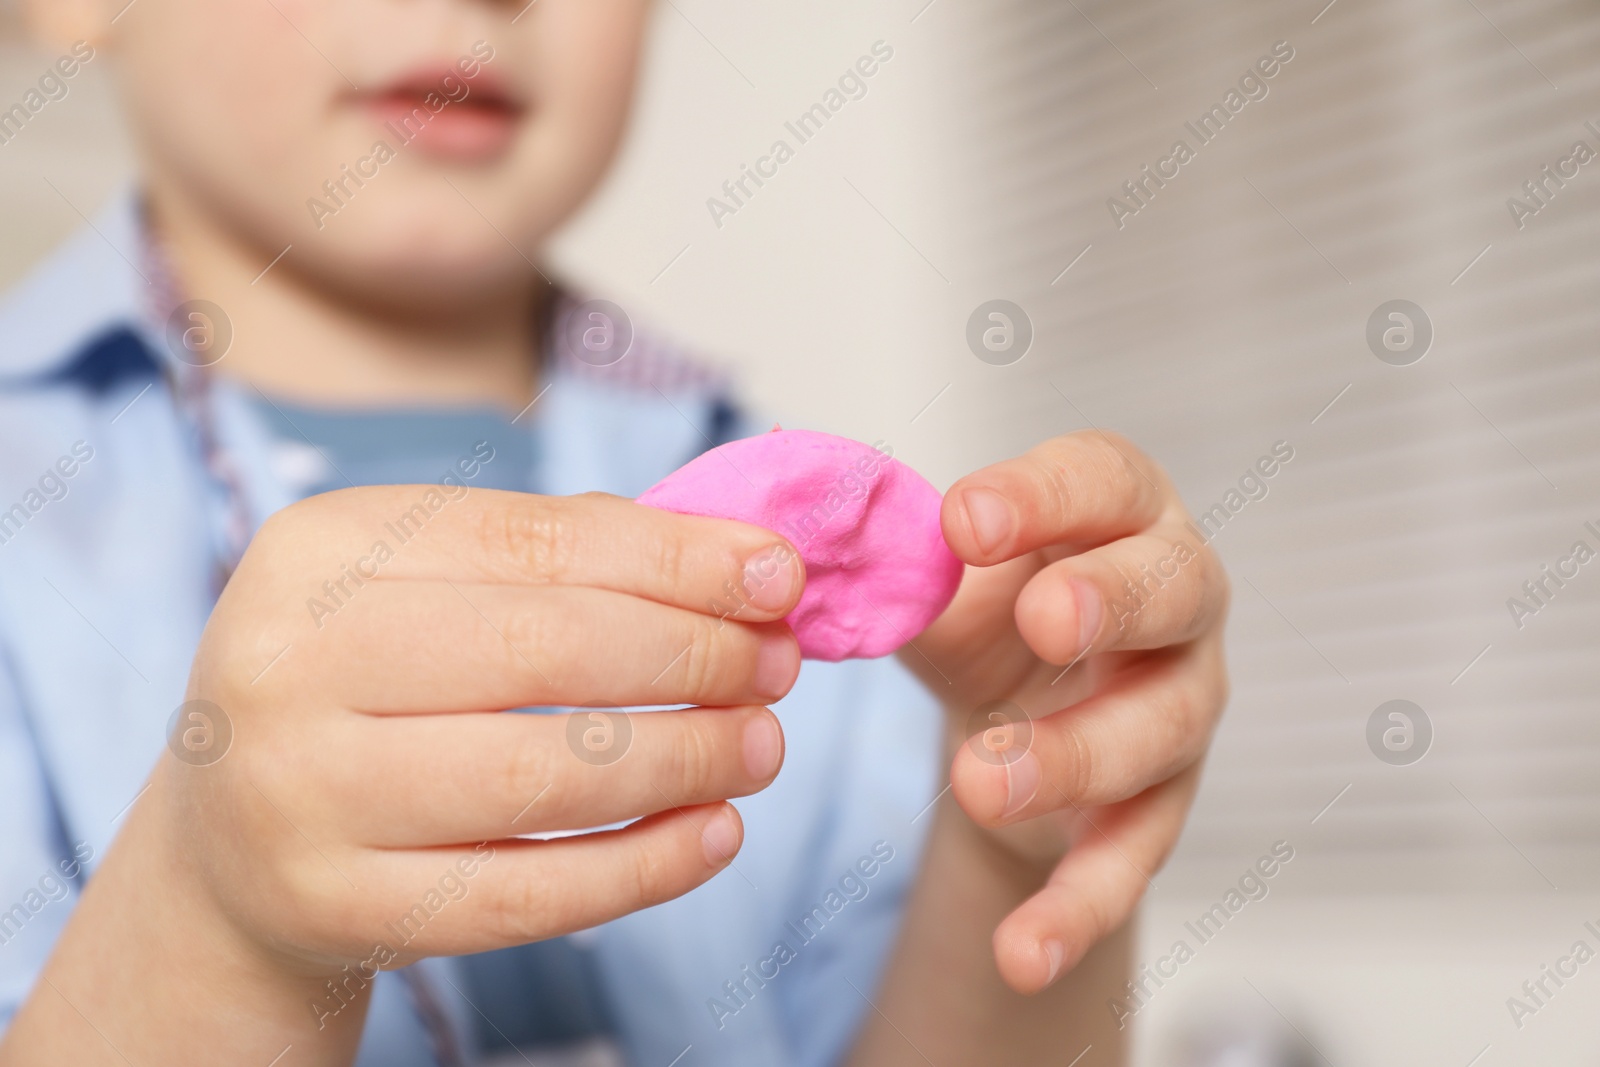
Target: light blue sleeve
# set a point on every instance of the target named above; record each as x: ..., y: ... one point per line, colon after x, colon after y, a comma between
x: 40, y: 871
x: 867, y: 861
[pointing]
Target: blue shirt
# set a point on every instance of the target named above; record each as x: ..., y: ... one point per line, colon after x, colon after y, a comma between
x: 108, y: 526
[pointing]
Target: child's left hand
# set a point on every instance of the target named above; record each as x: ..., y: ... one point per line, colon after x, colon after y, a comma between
x: 1101, y: 757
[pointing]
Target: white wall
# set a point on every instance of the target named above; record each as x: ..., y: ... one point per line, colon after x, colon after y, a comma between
x: 809, y: 290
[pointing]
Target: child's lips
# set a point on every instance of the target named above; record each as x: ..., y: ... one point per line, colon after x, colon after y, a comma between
x: 478, y: 125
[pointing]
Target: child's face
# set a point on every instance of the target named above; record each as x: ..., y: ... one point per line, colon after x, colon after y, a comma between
x: 244, y: 109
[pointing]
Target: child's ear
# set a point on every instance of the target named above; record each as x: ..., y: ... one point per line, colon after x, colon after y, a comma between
x: 59, y: 24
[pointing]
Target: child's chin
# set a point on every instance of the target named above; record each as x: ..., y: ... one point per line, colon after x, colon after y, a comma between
x: 417, y: 277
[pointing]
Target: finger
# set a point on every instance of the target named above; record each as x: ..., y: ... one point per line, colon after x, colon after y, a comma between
x: 464, y: 778
x: 435, y: 646
x: 1084, y: 488
x: 1144, y: 725
x: 355, y: 537
x: 1146, y: 591
x: 1095, y: 887
x: 521, y: 891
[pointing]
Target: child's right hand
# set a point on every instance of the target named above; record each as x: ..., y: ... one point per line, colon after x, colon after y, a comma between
x: 370, y: 755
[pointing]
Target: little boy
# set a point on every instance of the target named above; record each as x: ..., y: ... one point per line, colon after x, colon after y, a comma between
x: 292, y: 440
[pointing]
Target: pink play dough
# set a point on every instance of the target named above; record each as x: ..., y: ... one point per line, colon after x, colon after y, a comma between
x: 867, y: 526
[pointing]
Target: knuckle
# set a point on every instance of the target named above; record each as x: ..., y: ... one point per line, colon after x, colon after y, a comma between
x: 692, y: 760
x: 539, y: 535
x: 227, y: 653
x: 670, y: 561
x: 1134, y: 598
x: 231, y: 657
x: 1130, y: 478
x: 1182, y: 715
x: 525, y: 633
x: 1119, y: 453
x: 1175, y: 725
x: 1078, y: 771
x: 1100, y: 913
x: 1106, y: 456
x: 1093, y: 479
x: 1195, y: 607
x: 528, y: 769
x: 650, y: 875
x: 703, y: 659
x: 1091, y: 909
x: 523, y: 908
x: 1060, y: 490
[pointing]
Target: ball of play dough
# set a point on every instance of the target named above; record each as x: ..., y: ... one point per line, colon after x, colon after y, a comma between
x: 867, y: 526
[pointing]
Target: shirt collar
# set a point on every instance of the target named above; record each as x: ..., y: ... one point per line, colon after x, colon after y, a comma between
x: 92, y: 287
x: 93, y: 315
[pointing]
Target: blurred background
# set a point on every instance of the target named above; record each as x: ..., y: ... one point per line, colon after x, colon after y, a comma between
x: 1440, y: 859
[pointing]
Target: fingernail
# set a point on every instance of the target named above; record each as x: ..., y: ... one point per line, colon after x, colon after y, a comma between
x: 770, y: 577
x: 720, y: 838
x: 763, y: 747
x: 1055, y: 952
x: 989, y: 517
x: 1022, y: 782
x: 1091, y: 609
x: 777, y: 663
